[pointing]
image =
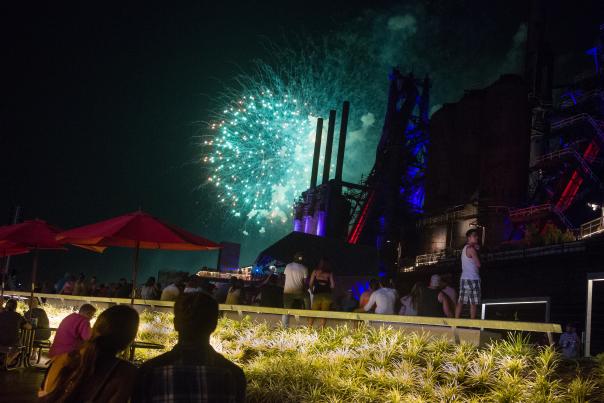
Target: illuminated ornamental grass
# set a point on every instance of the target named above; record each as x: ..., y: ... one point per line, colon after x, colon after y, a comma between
x: 381, y: 365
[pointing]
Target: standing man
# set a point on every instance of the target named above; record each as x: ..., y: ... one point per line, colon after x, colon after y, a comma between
x: 295, y: 290
x: 469, y: 286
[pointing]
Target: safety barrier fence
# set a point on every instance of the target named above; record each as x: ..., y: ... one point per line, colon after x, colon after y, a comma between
x: 451, y: 323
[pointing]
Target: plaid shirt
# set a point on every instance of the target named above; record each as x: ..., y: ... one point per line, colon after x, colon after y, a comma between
x: 188, y: 374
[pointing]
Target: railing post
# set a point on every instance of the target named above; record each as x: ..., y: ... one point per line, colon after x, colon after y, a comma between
x: 455, y: 334
x: 590, y: 284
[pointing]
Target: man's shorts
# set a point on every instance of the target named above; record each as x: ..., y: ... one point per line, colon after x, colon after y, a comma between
x: 469, y: 292
x: 296, y: 301
x: 322, y: 302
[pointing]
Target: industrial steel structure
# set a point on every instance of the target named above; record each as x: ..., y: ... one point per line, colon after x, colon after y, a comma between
x: 386, y: 203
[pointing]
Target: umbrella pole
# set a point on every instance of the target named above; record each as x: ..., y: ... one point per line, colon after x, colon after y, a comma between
x: 34, y: 271
x: 4, y: 270
x: 135, y: 272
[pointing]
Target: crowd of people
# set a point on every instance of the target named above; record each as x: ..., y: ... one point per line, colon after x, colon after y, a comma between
x: 438, y: 298
x: 298, y: 287
x: 80, y: 285
x: 86, y: 363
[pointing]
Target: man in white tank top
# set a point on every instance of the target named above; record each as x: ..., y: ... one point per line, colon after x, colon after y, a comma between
x: 469, y: 284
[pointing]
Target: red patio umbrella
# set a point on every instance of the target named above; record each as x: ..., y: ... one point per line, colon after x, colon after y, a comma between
x: 34, y: 235
x: 136, y: 230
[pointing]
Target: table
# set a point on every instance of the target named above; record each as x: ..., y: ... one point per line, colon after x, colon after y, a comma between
x: 143, y: 344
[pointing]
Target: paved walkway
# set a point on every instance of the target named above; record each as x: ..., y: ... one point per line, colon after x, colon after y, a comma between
x: 20, y: 385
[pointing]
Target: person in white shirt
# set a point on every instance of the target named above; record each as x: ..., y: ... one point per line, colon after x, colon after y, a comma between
x: 383, y: 299
x: 469, y: 284
x: 193, y: 285
x: 295, y: 290
x: 170, y: 293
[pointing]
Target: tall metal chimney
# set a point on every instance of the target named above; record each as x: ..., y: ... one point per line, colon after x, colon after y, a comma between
x: 342, y: 141
x: 317, y: 154
x: 329, y: 145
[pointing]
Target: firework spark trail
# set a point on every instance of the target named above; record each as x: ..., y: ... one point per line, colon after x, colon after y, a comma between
x: 260, y: 145
x: 259, y: 154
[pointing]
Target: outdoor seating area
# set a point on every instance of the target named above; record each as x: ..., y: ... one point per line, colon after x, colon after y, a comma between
x: 34, y: 353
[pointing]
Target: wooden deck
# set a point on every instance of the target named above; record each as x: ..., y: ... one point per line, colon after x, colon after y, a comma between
x: 20, y: 385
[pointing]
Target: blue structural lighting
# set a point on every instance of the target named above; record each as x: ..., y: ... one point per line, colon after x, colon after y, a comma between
x: 416, y: 140
x: 594, y: 52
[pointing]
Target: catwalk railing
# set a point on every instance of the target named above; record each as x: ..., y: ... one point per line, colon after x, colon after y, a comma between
x: 597, y: 125
x: 592, y: 227
x: 570, y: 152
x: 453, y: 324
x: 429, y: 258
x: 425, y: 261
x: 524, y: 213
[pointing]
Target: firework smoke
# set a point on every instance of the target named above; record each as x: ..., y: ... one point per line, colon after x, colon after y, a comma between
x: 257, y: 149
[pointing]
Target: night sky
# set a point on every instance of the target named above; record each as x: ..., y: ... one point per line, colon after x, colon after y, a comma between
x: 101, y: 105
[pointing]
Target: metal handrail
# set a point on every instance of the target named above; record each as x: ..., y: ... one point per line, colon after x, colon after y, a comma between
x: 449, y: 216
x: 351, y: 316
x: 592, y: 227
x: 530, y: 210
x: 573, y: 153
x: 576, y: 118
x: 429, y: 258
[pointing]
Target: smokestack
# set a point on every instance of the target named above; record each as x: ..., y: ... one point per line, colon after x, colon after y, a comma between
x: 317, y: 154
x: 329, y: 145
x: 342, y: 141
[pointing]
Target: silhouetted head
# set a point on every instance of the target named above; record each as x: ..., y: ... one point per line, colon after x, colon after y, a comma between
x: 435, y: 281
x: 384, y: 282
x: 33, y: 302
x: 299, y: 257
x: 374, y: 284
x: 115, y: 328
x: 324, y: 265
x: 472, y: 236
x: 11, y: 305
x: 87, y: 310
x: 195, y: 316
